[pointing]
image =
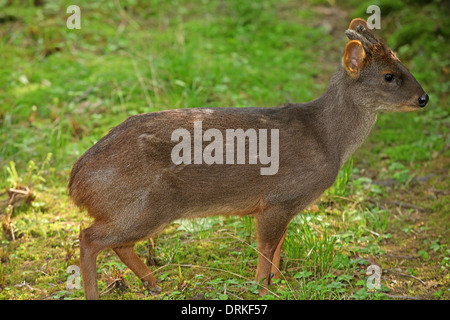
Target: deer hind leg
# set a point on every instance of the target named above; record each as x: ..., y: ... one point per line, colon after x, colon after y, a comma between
x: 91, y: 245
x: 152, y: 260
x: 119, y: 236
x: 131, y: 260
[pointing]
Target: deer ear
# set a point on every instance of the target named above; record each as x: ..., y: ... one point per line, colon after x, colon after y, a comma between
x: 353, y: 60
x: 356, y: 22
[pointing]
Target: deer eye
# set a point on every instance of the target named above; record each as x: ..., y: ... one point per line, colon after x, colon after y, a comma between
x: 388, y: 77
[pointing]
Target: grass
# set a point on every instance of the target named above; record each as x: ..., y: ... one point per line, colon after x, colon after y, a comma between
x: 61, y: 90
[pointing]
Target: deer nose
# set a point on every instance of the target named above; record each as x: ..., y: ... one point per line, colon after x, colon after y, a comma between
x: 423, y: 100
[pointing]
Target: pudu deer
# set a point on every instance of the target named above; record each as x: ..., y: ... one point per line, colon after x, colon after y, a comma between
x: 132, y: 187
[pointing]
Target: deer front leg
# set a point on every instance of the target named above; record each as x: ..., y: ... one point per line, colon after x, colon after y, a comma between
x: 271, y: 230
x: 275, y: 271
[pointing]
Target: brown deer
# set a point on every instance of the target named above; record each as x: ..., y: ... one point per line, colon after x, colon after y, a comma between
x: 132, y: 187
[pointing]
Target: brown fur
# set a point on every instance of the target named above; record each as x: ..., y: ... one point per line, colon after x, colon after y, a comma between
x: 132, y: 189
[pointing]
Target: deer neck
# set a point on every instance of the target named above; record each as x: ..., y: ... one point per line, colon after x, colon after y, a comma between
x: 347, y: 123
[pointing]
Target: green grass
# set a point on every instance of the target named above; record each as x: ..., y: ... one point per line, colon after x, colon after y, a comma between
x: 62, y: 90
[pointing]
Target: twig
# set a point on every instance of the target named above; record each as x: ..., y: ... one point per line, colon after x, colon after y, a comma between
x: 84, y: 95
x: 404, y: 297
x: 109, y: 287
x: 400, y: 204
x: 424, y: 178
x: 439, y: 191
x: 25, y: 284
x: 406, y: 205
x: 373, y: 232
x: 378, y: 204
x: 393, y: 182
x: 25, y: 192
x: 236, y: 296
x: 281, y: 273
x: 386, y: 183
x: 401, y: 257
x: 211, y: 268
x: 405, y: 275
